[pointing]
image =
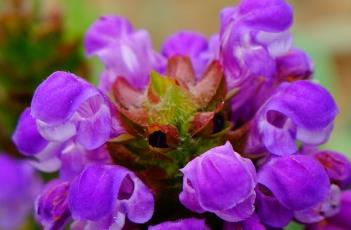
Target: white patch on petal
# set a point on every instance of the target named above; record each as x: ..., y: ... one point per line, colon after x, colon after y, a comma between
x: 314, y: 137
x: 278, y: 44
x: 57, y: 133
x: 48, y: 160
x: 129, y: 57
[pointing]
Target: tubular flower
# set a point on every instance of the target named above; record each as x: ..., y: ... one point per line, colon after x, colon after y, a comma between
x: 103, y: 193
x: 209, y: 184
x: 209, y: 133
x: 52, y: 205
x: 286, y: 118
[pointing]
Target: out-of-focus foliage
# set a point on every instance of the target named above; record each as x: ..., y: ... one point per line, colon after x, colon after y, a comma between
x: 32, y: 45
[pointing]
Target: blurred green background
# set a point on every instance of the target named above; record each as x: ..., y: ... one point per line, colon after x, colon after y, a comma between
x: 40, y: 36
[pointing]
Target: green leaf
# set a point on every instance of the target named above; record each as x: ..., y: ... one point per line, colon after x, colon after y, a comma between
x: 294, y: 226
x: 169, y: 103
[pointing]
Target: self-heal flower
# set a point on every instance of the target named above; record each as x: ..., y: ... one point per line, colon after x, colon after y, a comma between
x: 254, y: 35
x: 124, y: 51
x: 107, y: 194
x: 66, y: 107
x: 184, y: 224
x: 31, y: 143
x: 293, y: 113
x: 283, y: 188
x: 286, y: 177
x: 51, y: 207
x: 270, y: 210
x: 340, y: 221
x: 327, y: 208
x: 337, y: 165
x: 19, y: 185
x: 220, y: 181
x: 295, y: 65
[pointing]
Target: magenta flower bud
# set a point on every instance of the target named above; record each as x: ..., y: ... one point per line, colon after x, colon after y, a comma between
x: 209, y: 184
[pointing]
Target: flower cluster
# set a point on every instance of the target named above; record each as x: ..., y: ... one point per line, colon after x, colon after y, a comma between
x: 206, y: 134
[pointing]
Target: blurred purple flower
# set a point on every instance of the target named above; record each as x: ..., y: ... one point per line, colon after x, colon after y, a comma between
x: 19, y: 185
x: 209, y: 184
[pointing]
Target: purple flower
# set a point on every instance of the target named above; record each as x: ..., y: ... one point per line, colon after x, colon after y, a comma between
x: 283, y: 190
x: 124, y: 51
x: 270, y: 210
x: 295, y: 65
x: 327, y: 208
x: 30, y: 143
x: 266, y: 15
x: 341, y: 220
x: 220, y: 181
x: 19, y: 185
x: 338, y: 167
x: 51, y: 206
x: 66, y: 107
x: 252, y: 34
x: 183, y: 224
x: 74, y: 158
x: 106, y: 194
x: 26, y: 136
x: 286, y: 178
x: 293, y: 113
x: 191, y: 44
